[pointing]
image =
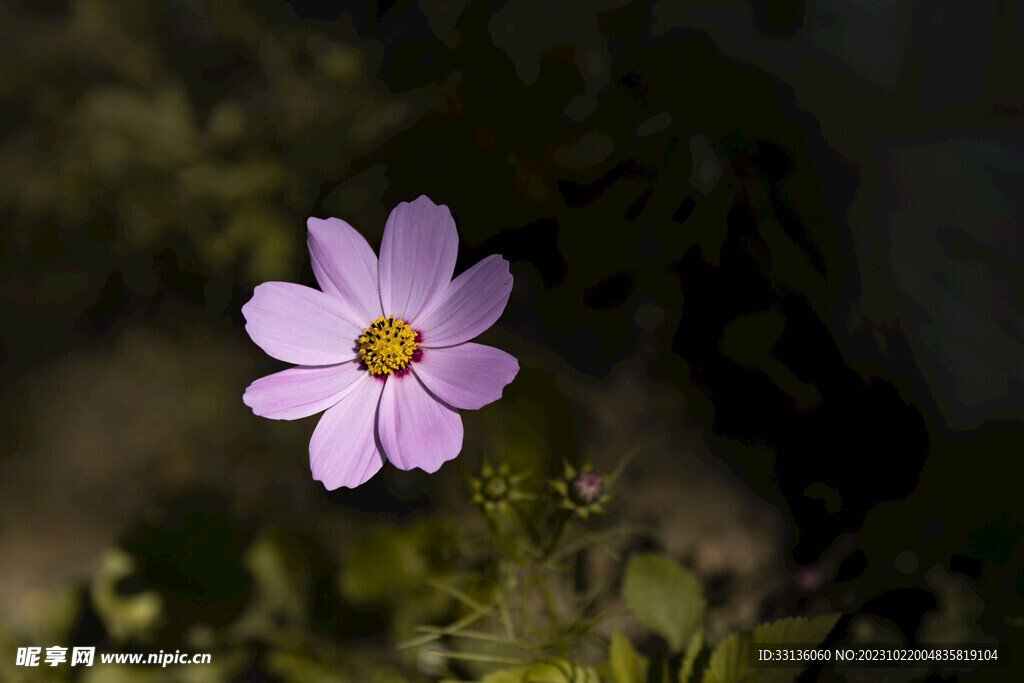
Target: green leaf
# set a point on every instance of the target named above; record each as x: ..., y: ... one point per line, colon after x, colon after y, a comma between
x: 693, y: 649
x: 795, y: 630
x: 124, y: 615
x: 627, y: 665
x: 554, y: 672
x: 730, y: 660
x: 665, y: 596
x: 728, y: 663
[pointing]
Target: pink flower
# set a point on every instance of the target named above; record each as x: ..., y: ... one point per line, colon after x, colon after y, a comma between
x: 384, y: 348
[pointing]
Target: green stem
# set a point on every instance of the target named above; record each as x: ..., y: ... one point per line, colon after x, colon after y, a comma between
x: 563, y: 516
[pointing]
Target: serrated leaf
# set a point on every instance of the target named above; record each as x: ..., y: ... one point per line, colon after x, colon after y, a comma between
x: 665, y: 596
x: 797, y: 630
x: 730, y: 660
x: 627, y: 665
x: 693, y: 649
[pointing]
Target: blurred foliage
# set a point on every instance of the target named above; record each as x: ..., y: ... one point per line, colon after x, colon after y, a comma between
x: 628, y: 666
x: 203, y: 129
x: 394, y: 568
x: 127, y: 616
x: 551, y: 630
x: 665, y: 597
x: 287, y: 630
x: 730, y: 659
x: 669, y: 205
x: 503, y: 585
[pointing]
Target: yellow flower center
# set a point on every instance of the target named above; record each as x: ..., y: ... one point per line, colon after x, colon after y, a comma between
x: 387, y: 345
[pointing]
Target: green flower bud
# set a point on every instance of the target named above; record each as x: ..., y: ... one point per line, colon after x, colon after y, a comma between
x: 495, y: 489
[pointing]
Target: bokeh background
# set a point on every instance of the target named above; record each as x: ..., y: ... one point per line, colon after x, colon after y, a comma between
x: 769, y: 249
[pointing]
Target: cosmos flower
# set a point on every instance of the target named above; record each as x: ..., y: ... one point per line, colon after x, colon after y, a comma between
x: 385, y: 348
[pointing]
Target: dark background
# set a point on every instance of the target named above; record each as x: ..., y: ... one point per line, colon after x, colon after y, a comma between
x: 770, y: 247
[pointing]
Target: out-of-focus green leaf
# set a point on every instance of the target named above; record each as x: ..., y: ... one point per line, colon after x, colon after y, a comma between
x: 125, y: 616
x: 122, y: 127
x: 728, y: 663
x: 59, y: 614
x: 552, y: 672
x: 693, y: 649
x: 955, y: 620
x: 258, y: 234
x: 665, y: 596
x: 227, y: 121
x: 281, y: 566
x: 627, y: 665
x: 250, y: 179
x: 340, y: 62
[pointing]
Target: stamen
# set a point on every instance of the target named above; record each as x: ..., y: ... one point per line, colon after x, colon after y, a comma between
x: 387, y: 346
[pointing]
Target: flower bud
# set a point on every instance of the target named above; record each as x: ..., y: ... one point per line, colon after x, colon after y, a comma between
x: 495, y: 489
x: 583, y: 492
x: 588, y: 487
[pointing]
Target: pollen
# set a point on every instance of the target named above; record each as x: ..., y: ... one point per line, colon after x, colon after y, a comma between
x: 387, y: 345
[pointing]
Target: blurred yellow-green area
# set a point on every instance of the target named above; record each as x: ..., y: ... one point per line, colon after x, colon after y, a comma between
x: 770, y: 252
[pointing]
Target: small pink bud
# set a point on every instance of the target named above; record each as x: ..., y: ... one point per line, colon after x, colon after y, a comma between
x: 588, y: 487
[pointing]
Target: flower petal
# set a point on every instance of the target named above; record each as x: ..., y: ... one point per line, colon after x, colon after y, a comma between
x: 300, y: 325
x: 466, y: 376
x: 343, y: 450
x: 415, y: 429
x: 471, y: 304
x: 302, y: 391
x: 417, y: 257
x: 345, y: 266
